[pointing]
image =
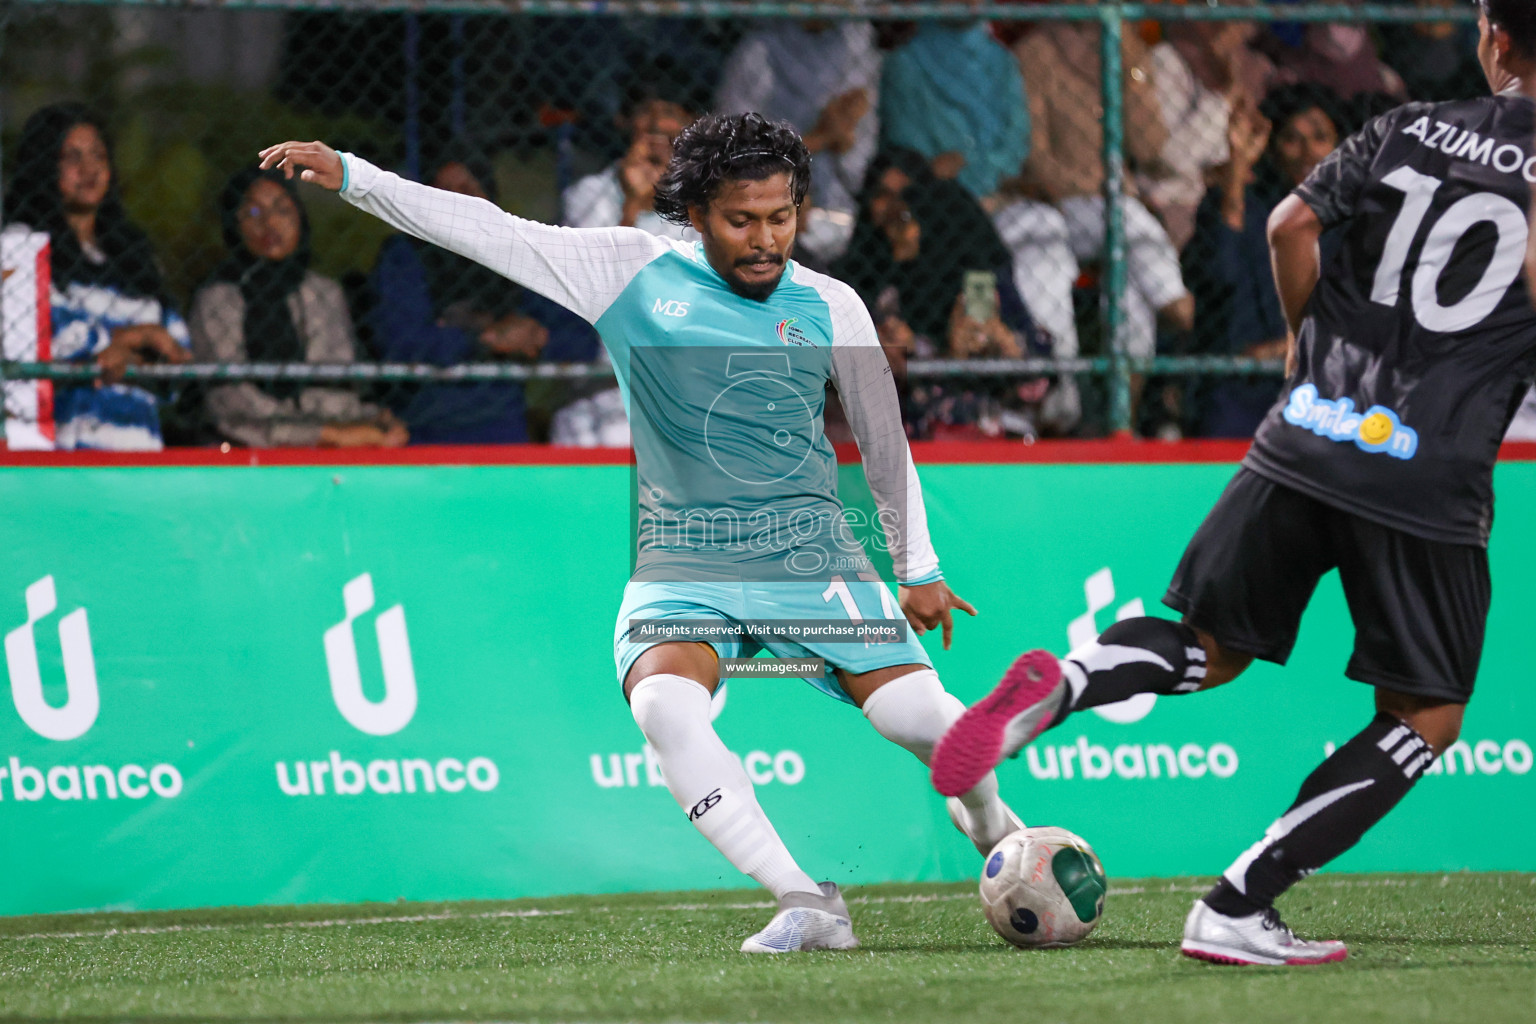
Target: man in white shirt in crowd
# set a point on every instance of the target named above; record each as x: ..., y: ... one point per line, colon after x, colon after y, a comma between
x: 624, y: 193
x: 823, y: 77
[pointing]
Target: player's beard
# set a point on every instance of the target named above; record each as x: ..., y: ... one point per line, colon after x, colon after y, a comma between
x: 757, y: 291
x: 720, y: 258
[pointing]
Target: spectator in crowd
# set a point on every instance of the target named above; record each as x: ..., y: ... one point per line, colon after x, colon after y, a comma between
x: 1437, y: 60
x: 1341, y: 57
x: 823, y: 78
x: 952, y: 93
x: 938, y: 282
x: 107, y: 297
x: 263, y: 304
x: 624, y: 193
x: 1045, y: 271
x: 1201, y: 71
x: 587, y: 67
x: 917, y: 237
x: 1060, y: 65
x: 1237, y: 309
x: 432, y: 306
x: 1053, y: 215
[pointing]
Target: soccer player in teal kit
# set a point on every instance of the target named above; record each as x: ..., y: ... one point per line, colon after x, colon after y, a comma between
x: 724, y: 349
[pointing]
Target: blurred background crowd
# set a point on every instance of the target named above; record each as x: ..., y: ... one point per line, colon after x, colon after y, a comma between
x: 958, y: 179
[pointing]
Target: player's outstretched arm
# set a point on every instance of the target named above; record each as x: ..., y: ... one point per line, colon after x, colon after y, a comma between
x: 862, y: 373
x: 314, y: 162
x: 583, y: 270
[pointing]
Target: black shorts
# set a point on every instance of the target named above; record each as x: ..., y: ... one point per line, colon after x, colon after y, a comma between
x: 1419, y: 606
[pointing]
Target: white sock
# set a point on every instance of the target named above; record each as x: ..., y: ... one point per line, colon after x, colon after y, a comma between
x: 709, y: 784
x: 912, y: 711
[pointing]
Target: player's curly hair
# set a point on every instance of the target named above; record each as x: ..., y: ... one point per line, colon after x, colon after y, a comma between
x: 729, y: 147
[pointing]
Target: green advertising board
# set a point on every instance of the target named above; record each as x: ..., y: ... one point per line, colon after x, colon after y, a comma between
x: 309, y: 683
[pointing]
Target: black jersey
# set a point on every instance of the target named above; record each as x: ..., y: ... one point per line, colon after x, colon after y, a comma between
x: 1420, y: 339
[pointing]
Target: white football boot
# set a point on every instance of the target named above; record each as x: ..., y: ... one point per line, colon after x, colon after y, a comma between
x: 806, y: 921
x: 1260, y: 938
x: 984, y: 843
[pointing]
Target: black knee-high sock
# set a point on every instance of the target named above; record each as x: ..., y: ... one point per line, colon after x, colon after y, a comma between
x: 1346, y: 794
x: 1142, y: 655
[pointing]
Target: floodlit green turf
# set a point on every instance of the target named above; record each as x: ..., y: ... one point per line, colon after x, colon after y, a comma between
x: 1422, y: 948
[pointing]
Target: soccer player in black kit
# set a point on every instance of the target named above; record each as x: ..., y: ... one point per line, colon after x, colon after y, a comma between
x: 1410, y: 355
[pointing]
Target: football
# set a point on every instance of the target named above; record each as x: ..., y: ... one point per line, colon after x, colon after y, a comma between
x: 1043, y: 888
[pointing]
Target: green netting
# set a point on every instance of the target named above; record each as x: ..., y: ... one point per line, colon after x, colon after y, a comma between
x: 1089, y: 263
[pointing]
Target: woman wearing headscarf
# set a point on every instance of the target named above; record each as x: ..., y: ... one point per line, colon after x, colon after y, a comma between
x: 938, y: 282
x: 107, y: 300
x: 915, y: 239
x: 263, y: 304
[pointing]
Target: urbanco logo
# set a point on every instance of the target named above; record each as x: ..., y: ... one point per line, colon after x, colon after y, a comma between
x: 83, y: 701
x: 336, y: 775
x: 1467, y: 758
x: 394, y: 712
x: 31, y: 783
x: 1099, y: 590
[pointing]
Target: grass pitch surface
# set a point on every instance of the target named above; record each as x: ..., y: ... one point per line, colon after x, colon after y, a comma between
x: 1422, y: 948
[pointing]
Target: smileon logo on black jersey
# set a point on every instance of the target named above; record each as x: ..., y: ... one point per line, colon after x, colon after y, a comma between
x: 789, y: 334
x: 1378, y: 429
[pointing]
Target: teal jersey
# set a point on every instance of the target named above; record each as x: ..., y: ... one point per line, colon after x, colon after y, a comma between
x: 734, y: 475
x: 726, y: 395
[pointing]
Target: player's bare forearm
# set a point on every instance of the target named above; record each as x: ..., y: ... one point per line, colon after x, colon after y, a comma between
x: 316, y: 162
x: 1294, y: 231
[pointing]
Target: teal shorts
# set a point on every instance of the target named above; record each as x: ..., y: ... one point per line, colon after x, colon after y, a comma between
x: 733, y: 603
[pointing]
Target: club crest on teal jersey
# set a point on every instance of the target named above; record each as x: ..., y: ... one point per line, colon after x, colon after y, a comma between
x: 1378, y: 429
x: 789, y: 334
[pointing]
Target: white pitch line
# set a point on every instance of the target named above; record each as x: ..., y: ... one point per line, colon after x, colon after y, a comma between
x: 1316, y: 883
x: 937, y: 897
x: 769, y: 904
x: 341, y: 922
x: 418, y: 918
x: 331, y: 923
x: 1128, y: 890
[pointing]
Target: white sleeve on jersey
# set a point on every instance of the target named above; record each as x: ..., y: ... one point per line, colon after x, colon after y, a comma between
x: 583, y: 269
x: 868, y: 392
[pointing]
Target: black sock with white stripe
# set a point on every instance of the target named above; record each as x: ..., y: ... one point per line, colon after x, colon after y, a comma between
x: 1340, y: 801
x: 1141, y: 655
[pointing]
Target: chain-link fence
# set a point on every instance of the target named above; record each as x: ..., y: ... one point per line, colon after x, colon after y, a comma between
x: 1056, y: 235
